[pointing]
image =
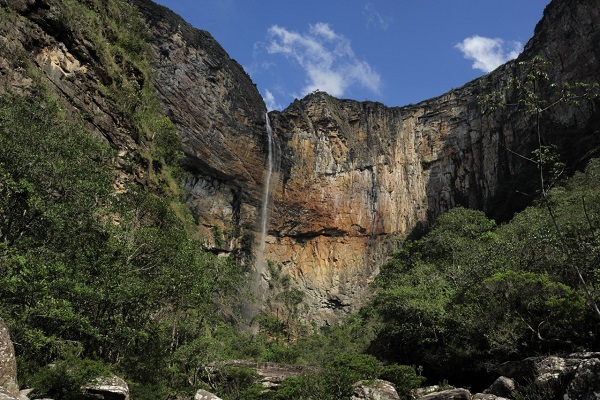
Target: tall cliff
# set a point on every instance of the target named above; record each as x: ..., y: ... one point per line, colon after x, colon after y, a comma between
x: 352, y: 176
x: 355, y: 176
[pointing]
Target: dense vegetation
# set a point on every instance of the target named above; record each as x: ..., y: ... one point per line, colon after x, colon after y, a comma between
x: 96, y: 276
x: 471, y: 294
x: 98, y: 279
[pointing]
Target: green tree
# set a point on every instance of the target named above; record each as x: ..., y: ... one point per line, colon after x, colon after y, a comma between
x: 533, y: 93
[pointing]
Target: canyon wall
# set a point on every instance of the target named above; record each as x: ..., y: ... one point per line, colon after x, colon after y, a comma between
x: 351, y: 178
x: 354, y: 177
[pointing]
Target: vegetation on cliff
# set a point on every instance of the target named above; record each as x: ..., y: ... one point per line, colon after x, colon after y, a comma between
x: 94, y: 271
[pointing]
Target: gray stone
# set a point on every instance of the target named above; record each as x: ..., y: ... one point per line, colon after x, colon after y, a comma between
x: 374, y: 390
x: 502, y: 387
x: 585, y: 384
x: 8, y: 364
x: 423, y: 391
x: 451, y: 394
x: 107, y: 388
x: 488, y: 396
x: 6, y: 395
x: 204, y: 395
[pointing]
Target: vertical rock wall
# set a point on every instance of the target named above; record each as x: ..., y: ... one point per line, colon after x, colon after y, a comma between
x: 355, y: 176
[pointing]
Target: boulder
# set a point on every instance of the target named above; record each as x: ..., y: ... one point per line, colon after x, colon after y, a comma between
x: 502, y: 387
x: 585, y: 384
x: 9, y: 387
x: 107, y: 388
x: 451, y: 394
x: 488, y: 396
x: 575, y: 376
x: 204, y: 395
x: 423, y: 391
x: 374, y: 390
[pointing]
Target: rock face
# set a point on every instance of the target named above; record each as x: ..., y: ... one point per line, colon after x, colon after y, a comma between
x: 9, y: 388
x: 354, y: 176
x: 221, y: 118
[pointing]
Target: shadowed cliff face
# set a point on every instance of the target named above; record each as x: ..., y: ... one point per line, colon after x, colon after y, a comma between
x: 355, y: 176
x: 221, y: 118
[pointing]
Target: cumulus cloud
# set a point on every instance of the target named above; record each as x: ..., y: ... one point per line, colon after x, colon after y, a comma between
x: 327, y: 58
x: 488, y: 53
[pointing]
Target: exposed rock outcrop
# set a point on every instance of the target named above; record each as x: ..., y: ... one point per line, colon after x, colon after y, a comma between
x: 374, y: 390
x: 450, y: 394
x: 220, y: 116
x: 107, y: 388
x: 357, y: 175
x: 9, y: 388
x: 576, y: 376
x: 270, y: 374
x: 204, y: 395
x: 502, y: 387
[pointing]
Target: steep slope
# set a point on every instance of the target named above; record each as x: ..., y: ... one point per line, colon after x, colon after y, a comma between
x: 221, y: 119
x: 355, y: 176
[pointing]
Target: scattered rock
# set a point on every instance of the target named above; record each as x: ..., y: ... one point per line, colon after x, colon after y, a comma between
x: 374, y: 390
x: 585, y: 384
x: 451, y: 394
x: 502, y: 387
x: 487, y: 396
x: 107, y: 388
x: 576, y: 376
x: 204, y: 395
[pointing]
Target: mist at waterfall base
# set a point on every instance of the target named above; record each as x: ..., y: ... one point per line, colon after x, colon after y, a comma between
x: 251, y: 309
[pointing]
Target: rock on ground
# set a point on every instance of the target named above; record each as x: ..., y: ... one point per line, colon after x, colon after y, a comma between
x: 204, y: 395
x: 451, y: 394
x: 374, y: 390
x: 9, y: 387
x: 108, y: 388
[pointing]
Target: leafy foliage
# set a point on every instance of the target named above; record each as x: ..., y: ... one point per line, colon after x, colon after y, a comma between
x: 471, y: 291
x: 89, y: 273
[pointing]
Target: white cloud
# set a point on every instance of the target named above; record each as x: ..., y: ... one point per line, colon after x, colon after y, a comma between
x: 326, y: 57
x: 374, y: 17
x: 270, y: 101
x: 488, y: 53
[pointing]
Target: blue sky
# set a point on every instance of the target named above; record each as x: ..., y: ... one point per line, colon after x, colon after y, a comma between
x: 393, y: 51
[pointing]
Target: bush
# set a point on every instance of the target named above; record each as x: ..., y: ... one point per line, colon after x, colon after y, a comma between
x: 65, y: 378
x: 404, y: 378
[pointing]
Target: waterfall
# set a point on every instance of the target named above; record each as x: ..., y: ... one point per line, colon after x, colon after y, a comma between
x: 264, y: 213
x: 251, y: 309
